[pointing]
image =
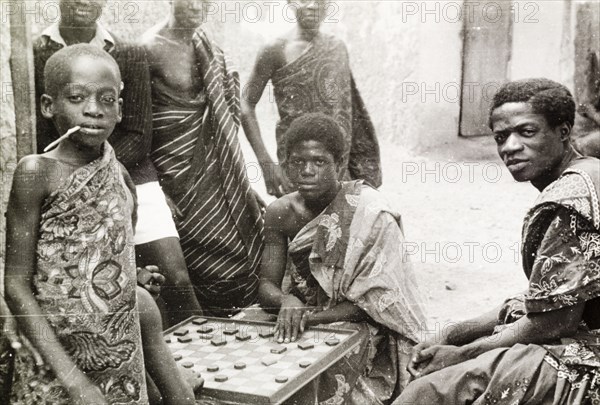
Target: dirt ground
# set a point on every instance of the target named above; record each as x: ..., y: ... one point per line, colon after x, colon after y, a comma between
x: 462, y: 214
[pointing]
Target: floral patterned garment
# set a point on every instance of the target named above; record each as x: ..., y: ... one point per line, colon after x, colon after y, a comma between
x: 357, y: 254
x: 561, y: 258
x: 353, y: 251
x: 85, y: 282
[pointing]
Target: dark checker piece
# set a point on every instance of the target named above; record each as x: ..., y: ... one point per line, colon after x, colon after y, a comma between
x: 267, y: 333
x: 187, y: 364
x: 278, y: 350
x: 181, y: 332
x: 306, y: 345
x: 199, y: 321
x: 184, y: 339
x: 218, y: 341
x: 205, y: 329
x: 212, y: 369
x: 167, y: 340
x: 281, y: 380
x: 242, y: 336
x: 221, y: 378
x: 230, y: 330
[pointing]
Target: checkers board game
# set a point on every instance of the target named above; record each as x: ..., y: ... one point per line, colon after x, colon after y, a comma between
x: 241, y: 362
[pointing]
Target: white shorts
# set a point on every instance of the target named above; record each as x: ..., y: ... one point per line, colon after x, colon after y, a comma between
x: 154, y: 220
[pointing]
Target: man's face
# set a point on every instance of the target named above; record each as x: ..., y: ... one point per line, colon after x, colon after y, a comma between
x: 189, y: 13
x: 80, y: 13
x: 529, y: 147
x: 90, y: 99
x: 309, y: 13
x: 312, y: 169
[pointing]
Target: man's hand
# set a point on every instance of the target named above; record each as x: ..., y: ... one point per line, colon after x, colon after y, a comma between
x: 289, y: 320
x: 151, y: 279
x: 427, y: 360
x: 175, y: 212
x: 275, y: 180
x: 261, y: 203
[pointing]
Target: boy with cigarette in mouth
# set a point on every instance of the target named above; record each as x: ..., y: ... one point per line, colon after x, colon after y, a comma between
x: 70, y: 264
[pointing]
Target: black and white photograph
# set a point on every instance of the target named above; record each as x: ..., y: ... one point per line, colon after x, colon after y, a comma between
x: 300, y: 202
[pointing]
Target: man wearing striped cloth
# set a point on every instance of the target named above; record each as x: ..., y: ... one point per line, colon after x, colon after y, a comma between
x: 195, y: 106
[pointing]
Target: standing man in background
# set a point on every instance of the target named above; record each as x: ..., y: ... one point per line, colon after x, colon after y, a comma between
x: 195, y: 106
x: 310, y: 72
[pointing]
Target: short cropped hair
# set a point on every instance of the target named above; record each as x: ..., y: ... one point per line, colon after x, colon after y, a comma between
x: 57, y: 69
x: 316, y: 127
x: 546, y: 97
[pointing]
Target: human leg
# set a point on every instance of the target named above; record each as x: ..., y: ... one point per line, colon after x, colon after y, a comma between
x: 505, y: 374
x: 159, y: 363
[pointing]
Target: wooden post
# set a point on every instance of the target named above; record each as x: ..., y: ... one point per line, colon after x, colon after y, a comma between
x: 486, y: 52
x: 21, y: 66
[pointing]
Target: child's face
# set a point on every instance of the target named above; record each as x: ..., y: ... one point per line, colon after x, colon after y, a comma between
x: 80, y: 13
x: 88, y: 98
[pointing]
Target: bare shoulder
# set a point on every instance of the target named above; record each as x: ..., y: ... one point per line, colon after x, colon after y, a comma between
x: 31, y: 174
x: 272, y: 53
x: 283, y: 212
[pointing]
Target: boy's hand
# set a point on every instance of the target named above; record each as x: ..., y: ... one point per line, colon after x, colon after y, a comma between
x: 175, y: 212
x: 275, y: 180
x: 150, y: 278
x: 289, y: 320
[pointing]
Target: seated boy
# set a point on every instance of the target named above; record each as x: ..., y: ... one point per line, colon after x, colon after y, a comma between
x: 346, y: 244
x: 70, y: 263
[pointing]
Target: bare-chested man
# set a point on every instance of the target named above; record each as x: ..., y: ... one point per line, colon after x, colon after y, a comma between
x: 195, y: 103
x: 310, y: 72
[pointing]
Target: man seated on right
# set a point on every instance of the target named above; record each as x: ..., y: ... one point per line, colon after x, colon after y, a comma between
x: 539, y: 347
x: 346, y: 244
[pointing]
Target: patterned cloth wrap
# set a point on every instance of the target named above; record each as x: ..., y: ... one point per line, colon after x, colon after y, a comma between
x: 561, y: 258
x: 320, y: 80
x: 201, y: 168
x: 85, y: 283
x: 354, y: 251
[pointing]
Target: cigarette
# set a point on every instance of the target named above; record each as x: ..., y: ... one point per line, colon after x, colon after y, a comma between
x: 65, y: 136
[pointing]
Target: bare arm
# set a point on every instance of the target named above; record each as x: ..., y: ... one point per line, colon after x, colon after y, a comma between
x: 262, y: 72
x: 157, y: 357
x: 274, y: 258
x: 345, y: 311
x: 468, y: 331
x: 23, y: 216
x: 538, y: 328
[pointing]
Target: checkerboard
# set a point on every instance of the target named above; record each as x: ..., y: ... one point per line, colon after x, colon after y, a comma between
x: 267, y: 376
